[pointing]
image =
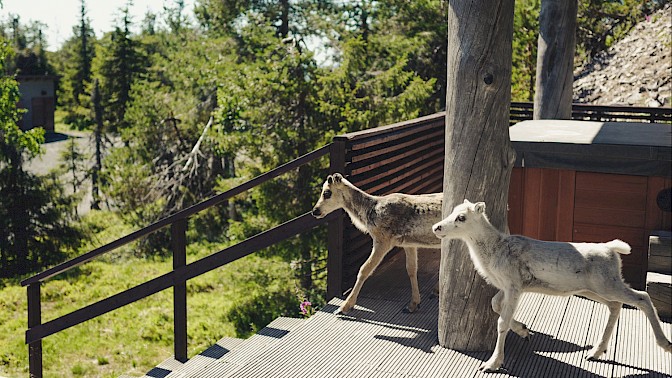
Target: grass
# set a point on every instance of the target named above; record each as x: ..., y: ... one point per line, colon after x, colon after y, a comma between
x: 135, y: 338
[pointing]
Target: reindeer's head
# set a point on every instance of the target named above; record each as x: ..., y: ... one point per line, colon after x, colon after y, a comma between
x: 461, y: 221
x: 331, y: 197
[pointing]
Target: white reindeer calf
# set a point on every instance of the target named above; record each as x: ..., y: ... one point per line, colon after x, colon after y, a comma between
x: 394, y: 220
x: 517, y: 264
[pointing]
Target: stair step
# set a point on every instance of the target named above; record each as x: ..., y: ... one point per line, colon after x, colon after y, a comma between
x: 659, y: 288
x: 660, y: 252
x: 163, y: 369
x: 230, y: 353
x: 232, y: 365
x: 205, y: 358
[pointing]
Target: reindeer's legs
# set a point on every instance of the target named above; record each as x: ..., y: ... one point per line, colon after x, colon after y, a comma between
x: 508, y: 308
x: 614, y: 311
x: 642, y: 301
x: 380, y: 249
x: 519, y: 328
x: 412, y: 270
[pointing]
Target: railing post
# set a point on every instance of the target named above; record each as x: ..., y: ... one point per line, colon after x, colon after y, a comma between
x: 178, y: 237
x: 34, y: 319
x: 335, y: 228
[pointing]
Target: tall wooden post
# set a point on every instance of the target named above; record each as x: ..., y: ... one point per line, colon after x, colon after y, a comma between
x: 178, y: 236
x: 479, y: 158
x: 555, y: 59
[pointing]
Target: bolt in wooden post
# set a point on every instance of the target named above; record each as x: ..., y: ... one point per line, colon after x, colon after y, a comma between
x: 34, y: 319
x: 179, y: 244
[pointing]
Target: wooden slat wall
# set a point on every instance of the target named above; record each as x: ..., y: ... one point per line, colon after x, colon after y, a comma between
x: 521, y: 111
x: 565, y: 205
x: 610, y: 206
x: 406, y: 158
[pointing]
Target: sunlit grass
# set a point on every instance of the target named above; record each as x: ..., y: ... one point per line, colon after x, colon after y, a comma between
x: 135, y: 338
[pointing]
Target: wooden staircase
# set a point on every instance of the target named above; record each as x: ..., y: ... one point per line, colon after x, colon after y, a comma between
x: 659, y: 276
x: 227, y: 355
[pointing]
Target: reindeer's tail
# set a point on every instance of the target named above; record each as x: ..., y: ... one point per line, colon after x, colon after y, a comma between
x: 619, y: 246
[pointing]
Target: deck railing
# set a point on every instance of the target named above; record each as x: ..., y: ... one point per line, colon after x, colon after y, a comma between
x: 403, y: 157
x: 176, y: 278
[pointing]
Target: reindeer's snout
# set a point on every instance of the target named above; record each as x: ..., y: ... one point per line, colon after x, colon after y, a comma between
x: 316, y: 212
x: 437, y: 228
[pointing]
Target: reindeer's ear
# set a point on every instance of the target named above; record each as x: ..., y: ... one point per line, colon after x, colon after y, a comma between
x: 479, y: 207
x: 466, y: 201
x: 330, y: 180
x: 337, y: 177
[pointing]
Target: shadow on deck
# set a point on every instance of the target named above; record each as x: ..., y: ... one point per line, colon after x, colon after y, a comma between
x: 379, y: 340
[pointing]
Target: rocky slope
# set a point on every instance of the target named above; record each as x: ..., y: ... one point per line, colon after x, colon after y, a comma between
x: 635, y: 71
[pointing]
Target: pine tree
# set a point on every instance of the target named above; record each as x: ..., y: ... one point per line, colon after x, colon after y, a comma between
x: 117, y: 64
x: 35, y: 214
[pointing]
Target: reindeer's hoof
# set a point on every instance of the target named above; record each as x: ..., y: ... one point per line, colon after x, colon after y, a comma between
x: 524, y: 332
x: 492, y: 367
x: 595, y: 354
x: 411, y: 308
x: 344, y: 310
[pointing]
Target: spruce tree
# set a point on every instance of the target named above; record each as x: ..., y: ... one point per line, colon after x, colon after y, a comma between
x: 119, y: 63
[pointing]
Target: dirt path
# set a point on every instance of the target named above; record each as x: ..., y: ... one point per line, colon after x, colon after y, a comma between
x: 50, y: 159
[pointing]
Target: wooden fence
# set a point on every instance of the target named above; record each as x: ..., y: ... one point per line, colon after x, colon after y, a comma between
x: 403, y: 157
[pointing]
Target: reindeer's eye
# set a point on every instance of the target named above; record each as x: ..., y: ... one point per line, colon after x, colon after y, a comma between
x: 327, y: 194
x: 461, y: 218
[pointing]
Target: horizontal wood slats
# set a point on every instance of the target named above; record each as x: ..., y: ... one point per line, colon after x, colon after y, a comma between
x: 565, y: 205
x: 402, y: 158
x: 407, y: 157
x: 521, y: 111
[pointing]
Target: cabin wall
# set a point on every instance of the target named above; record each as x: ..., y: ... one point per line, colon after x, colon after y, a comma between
x: 566, y: 205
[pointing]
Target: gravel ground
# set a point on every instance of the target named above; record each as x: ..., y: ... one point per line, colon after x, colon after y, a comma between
x: 50, y: 159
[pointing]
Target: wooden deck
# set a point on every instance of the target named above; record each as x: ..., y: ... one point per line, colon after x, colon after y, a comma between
x: 380, y: 340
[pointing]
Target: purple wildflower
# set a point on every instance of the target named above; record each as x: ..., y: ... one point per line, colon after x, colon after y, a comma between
x: 304, y: 307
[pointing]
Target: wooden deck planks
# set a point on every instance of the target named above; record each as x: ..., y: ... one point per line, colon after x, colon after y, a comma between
x: 380, y: 340
x: 637, y: 353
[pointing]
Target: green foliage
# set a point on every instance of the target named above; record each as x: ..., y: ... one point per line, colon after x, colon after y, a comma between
x: 525, y: 35
x: 278, y: 104
x: 74, y: 63
x: 118, y: 62
x: 253, y: 313
x: 602, y: 22
x: 169, y: 110
x: 28, y: 44
x: 133, y: 339
x: 35, y: 213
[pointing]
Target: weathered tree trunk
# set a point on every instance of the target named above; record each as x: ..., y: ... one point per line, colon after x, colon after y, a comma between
x: 479, y: 158
x: 98, y: 132
x: 555, y: 59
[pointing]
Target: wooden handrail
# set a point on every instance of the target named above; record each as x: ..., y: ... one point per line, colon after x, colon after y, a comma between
x: 183, y: 214
x: 176, y: 278
x: 248, y: 246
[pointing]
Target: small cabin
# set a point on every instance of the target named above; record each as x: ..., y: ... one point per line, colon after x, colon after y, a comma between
x: 38, y: 94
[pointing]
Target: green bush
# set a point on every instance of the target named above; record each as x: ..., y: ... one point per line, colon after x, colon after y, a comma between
x: 252, y: 314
